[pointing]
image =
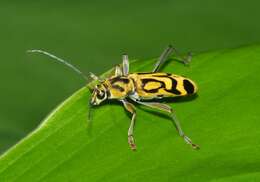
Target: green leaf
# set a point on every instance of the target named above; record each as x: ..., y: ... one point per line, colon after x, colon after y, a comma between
x: 223, y: 120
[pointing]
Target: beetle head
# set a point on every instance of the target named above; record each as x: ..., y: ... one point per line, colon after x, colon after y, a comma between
x: 99, y: 94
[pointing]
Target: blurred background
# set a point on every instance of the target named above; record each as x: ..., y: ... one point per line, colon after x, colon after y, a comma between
x: 92, y: 35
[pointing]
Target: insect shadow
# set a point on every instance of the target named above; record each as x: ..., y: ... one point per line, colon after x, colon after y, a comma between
x: 158, y: 113
x: 168, y: 100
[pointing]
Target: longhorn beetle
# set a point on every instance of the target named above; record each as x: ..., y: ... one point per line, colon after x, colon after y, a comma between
x: 139, y: 87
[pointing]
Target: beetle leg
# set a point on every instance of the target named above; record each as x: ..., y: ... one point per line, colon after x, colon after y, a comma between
x: 187, y: 59
x: 118, y: 70
x: 162, y: 58
x: 130, y: 108
x: 168, y: 109
x: 166, y: 53
x: 125, y: 64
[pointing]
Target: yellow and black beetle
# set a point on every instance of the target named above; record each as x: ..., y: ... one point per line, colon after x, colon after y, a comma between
x: 140, y: 87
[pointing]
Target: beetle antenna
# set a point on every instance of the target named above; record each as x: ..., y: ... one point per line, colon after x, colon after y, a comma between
x: 60, y: 60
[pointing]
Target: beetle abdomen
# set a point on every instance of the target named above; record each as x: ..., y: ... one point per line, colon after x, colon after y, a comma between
x: 158, y: 85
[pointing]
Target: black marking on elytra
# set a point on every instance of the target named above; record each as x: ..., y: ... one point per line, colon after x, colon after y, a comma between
x: 174, y: 83
x: 188, y: 86
x: 147, y: 80
x: 119, y: 79
x: 173, y: 89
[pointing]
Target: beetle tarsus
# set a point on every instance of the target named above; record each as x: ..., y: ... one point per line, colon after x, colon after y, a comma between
x: 131, y: 142
x: 188, y: 141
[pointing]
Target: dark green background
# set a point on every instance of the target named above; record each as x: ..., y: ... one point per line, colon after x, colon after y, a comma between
x: 93, y: 35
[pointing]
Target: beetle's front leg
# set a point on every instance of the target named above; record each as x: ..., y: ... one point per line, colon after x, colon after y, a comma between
x: 130, y: 108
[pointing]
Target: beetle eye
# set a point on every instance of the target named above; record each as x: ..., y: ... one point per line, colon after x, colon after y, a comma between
x: 100, y: 94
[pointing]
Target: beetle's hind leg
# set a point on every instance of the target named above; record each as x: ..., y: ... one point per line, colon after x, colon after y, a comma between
x: 165, y: 55
x: 168, y: 109
x: 186, y: 59
x: 130, y: 108
x: 181, y: 133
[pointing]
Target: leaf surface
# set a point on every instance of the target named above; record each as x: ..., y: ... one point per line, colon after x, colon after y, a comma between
x: 223, y: 119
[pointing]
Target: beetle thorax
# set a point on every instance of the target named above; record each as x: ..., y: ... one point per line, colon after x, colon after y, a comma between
x: 119, y: 87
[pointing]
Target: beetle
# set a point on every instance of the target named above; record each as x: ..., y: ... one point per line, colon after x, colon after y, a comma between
x: 141, y: 88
